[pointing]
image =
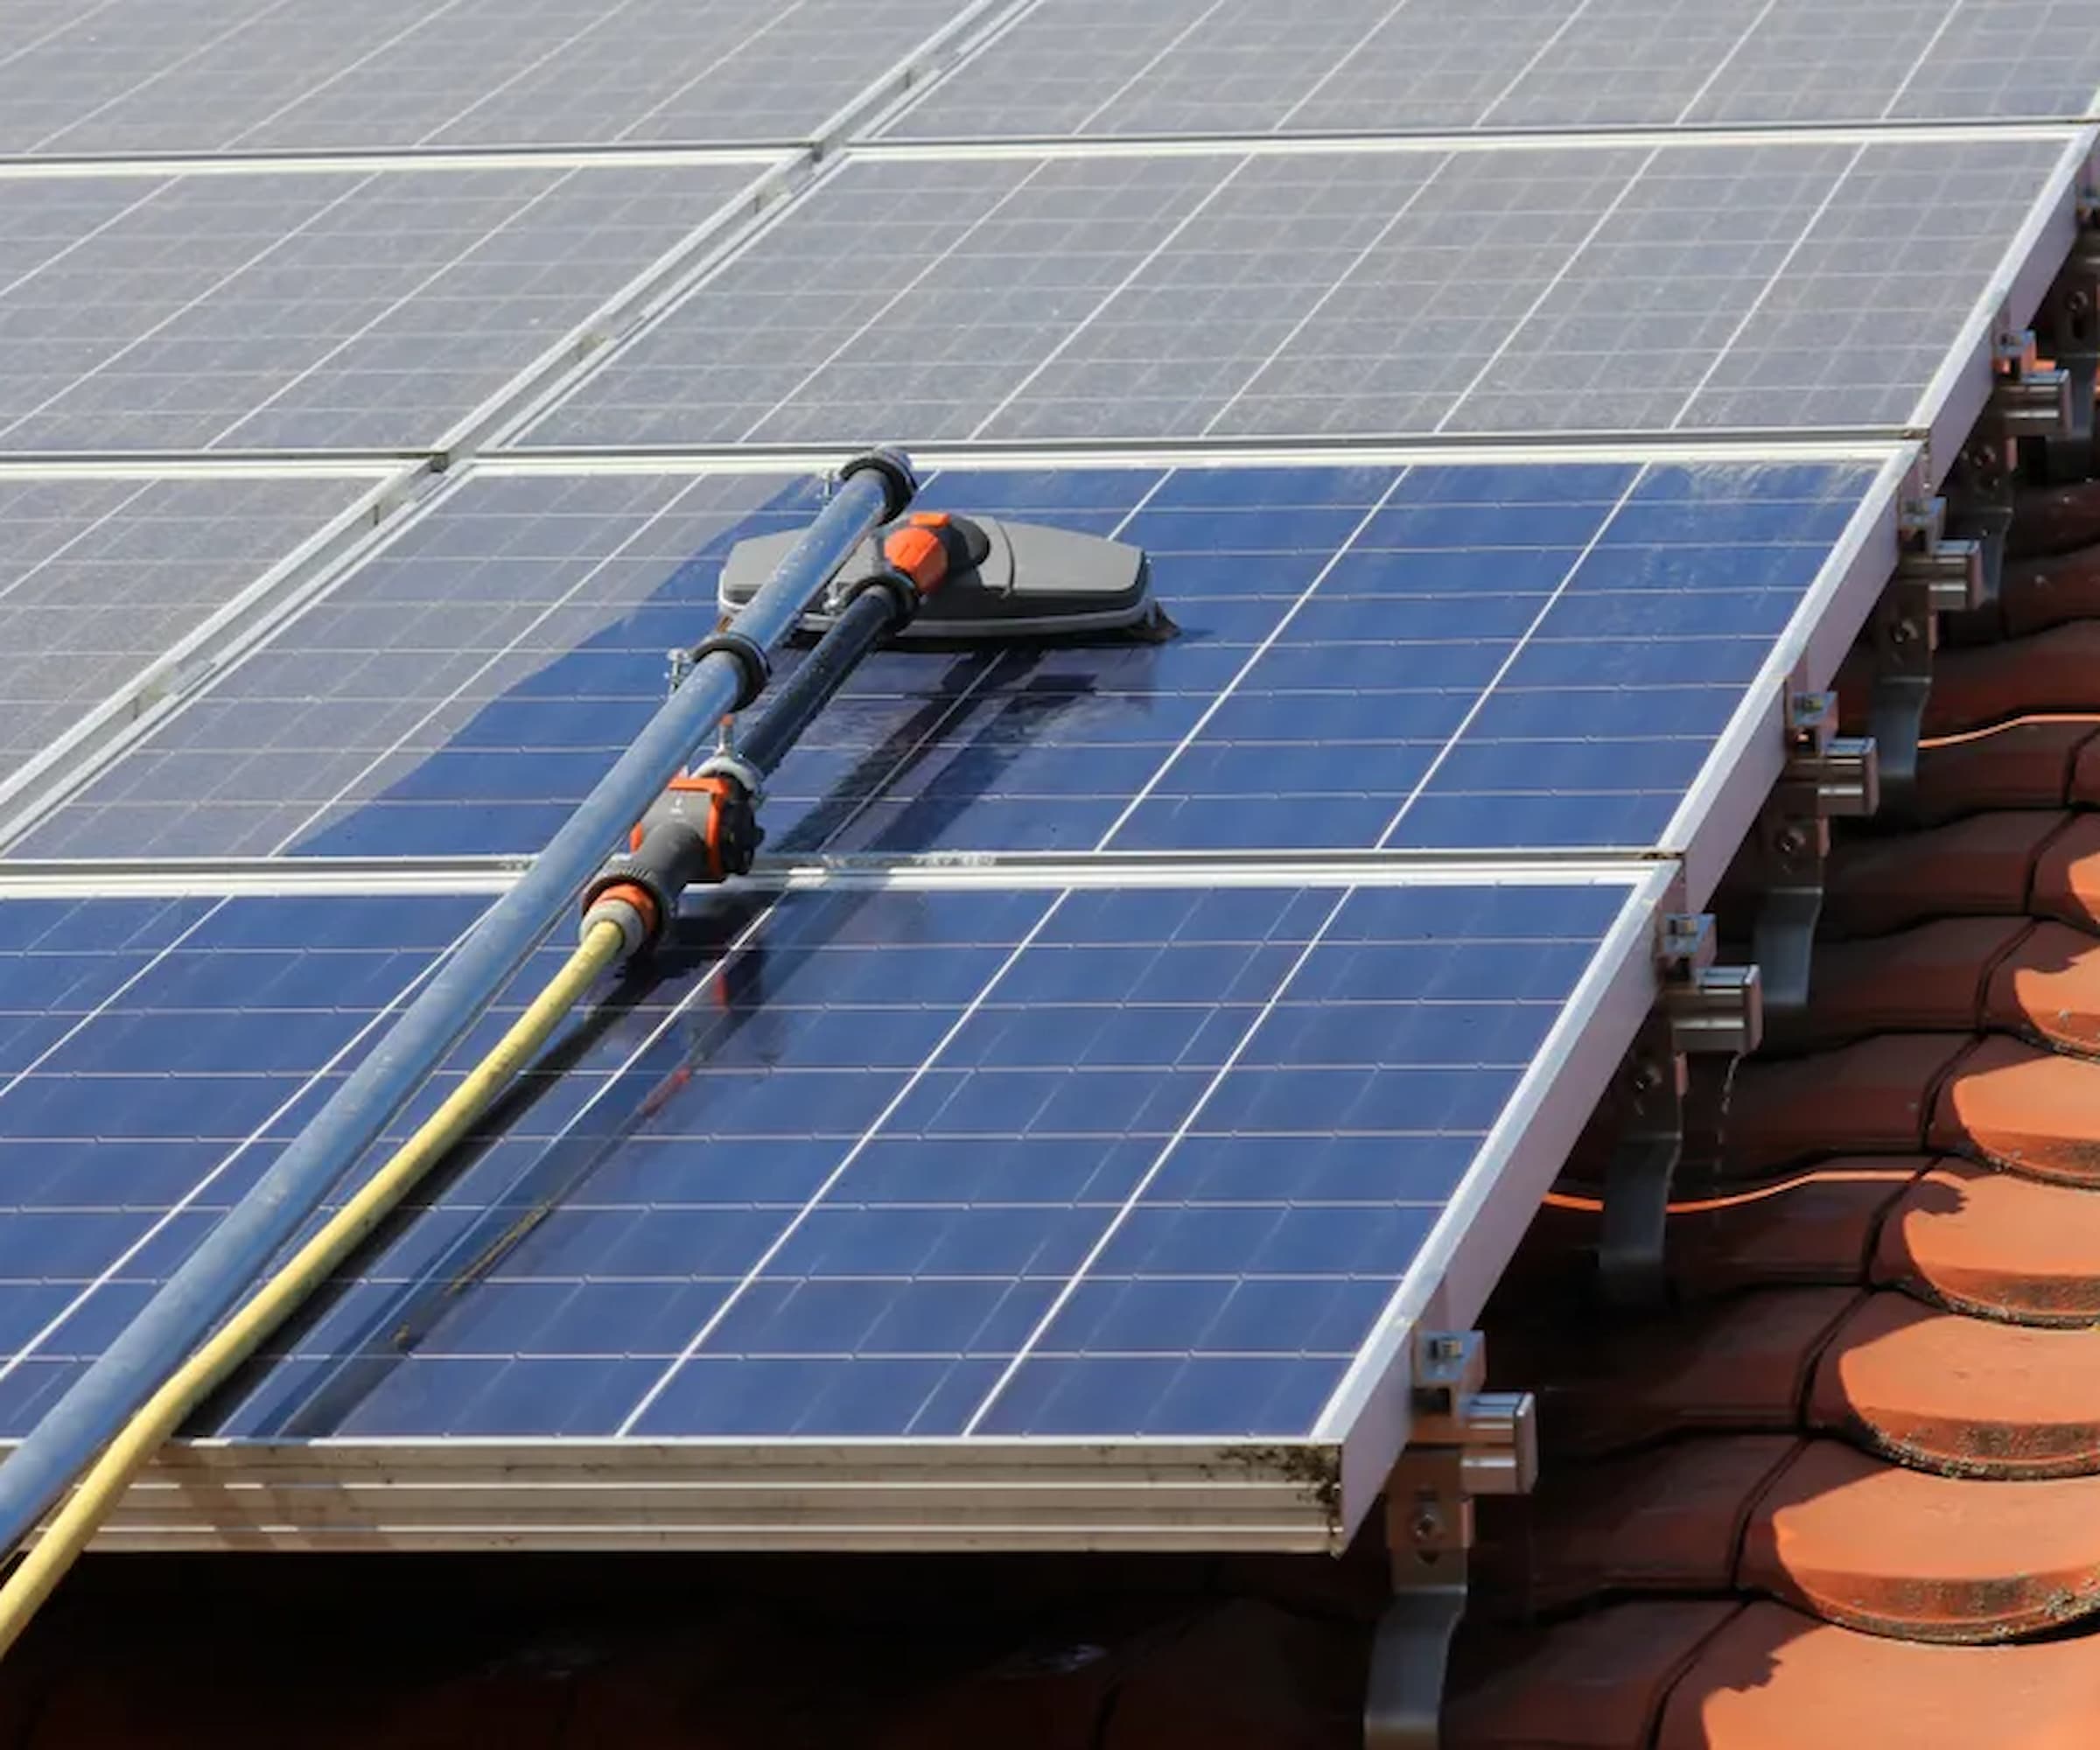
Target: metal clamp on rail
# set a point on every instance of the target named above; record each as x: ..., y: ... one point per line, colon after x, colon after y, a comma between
x: 2028, y: 400
x: 1952, y: 570
x: 1464, y: 1442
x: 1708, y: 1016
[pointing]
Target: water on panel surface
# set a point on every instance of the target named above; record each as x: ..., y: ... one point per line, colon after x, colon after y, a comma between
x: 1118, y: 1163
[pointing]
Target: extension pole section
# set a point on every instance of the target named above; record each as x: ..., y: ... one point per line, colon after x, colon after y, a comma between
x: 872, y: 489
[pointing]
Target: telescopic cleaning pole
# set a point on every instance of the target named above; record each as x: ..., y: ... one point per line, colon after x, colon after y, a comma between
x: 729, y: 670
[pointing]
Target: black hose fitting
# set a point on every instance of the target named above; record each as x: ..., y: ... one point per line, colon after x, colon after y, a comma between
x: 757, y: 667
x: 905, y: 595
x: 900, y: 483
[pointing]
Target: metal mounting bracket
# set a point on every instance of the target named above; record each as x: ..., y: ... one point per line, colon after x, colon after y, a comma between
x: 1465, y: 1442
x: 2070, y: 327
x: 1951, y: 569
x: 2028, y: 400
x: 1979, y: 507
x: 1714, y: 1013
x: 1902, y: 633
x: 1827, y: 775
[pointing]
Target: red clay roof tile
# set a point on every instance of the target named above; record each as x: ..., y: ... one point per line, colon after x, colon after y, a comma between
x: 1855, y: 1540
x: 1738, y: 1363
x: 2055, y: 519
x: 1929, y: 977
x: 1987, y: 683
x: 1597, y: 1683
x: 2032, y: 763
x: 1773, y: 1680
x: 1985, y: 864
x: 1871, y: 1097
x: 1994, y: 1243
x: 1968, y: 1396
x: 1671, y: 1519
x: 2023, y: 1108
x: 2035, y: 593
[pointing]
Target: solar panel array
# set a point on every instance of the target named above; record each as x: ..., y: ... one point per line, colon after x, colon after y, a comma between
x: 1126, y: 1046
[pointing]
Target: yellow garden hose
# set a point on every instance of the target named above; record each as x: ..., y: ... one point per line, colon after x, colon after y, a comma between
x: 104, y: 1482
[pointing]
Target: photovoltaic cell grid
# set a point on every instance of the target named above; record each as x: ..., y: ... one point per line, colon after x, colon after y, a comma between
x: 324, y: 311
x: 130, y: 76
x: 98, y: 578
x: 1490, y: 657
x: 1682, y: 288
x: 1076, y: 68
x: 1093, y: 1163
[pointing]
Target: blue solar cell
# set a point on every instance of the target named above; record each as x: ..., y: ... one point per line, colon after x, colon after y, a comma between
x: 904, y: 1164
x: 1366, y: 656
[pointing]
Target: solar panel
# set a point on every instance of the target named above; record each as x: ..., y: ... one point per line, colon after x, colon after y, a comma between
x: 1634, y: 288
x: 324, y: 310
x: 1125, y: 1165
x: 1098, y: 68
x: 146, y: 76
x: 1125, y: 1046
x: 1489, y: 657
x: 100, y: 576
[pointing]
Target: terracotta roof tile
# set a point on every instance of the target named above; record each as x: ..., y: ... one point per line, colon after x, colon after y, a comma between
x: 1857, y: 1540
x: 1771, y: 1679
x: 2023, y: 1108
x: 1671, y: 1519
x: 1967, y: 1396
x: 2055, y: 519
x: 2032, y: 763
x: 1597, y: 1683
x: 1929, y: 977
x: 1872, y: 1097
x: 2052, y: 670
x: 1994, y: 1243
x: 1985, y: 864
x: 2035, y: 593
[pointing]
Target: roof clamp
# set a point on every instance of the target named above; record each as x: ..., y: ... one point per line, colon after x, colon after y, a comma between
x: 1979, y: 488
x: 1464, y: 1442
x: 2026, y: 399
x: 1779, y: 872
x: 2069, y: 325
x: 1951, y: 569
x: 1896, y: 652
x: 1673, y: 1084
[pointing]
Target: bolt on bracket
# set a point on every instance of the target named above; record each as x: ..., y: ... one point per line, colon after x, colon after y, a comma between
x: 1952, y: 570
x: 1902, y: 633
x: 1464, y: 1442
x: 1675, y: 1078
x: 2028, y: 400
x: 1979, y: 489
x: 1826, y: 776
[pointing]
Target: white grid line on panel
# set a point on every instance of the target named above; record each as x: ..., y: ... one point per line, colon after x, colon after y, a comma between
x: 177, y: 1207
x: 1070, y: 1285
x: 242, y: 23
x: 1321, y: 83
x: 306, y: 94
x: 1130, y: 278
